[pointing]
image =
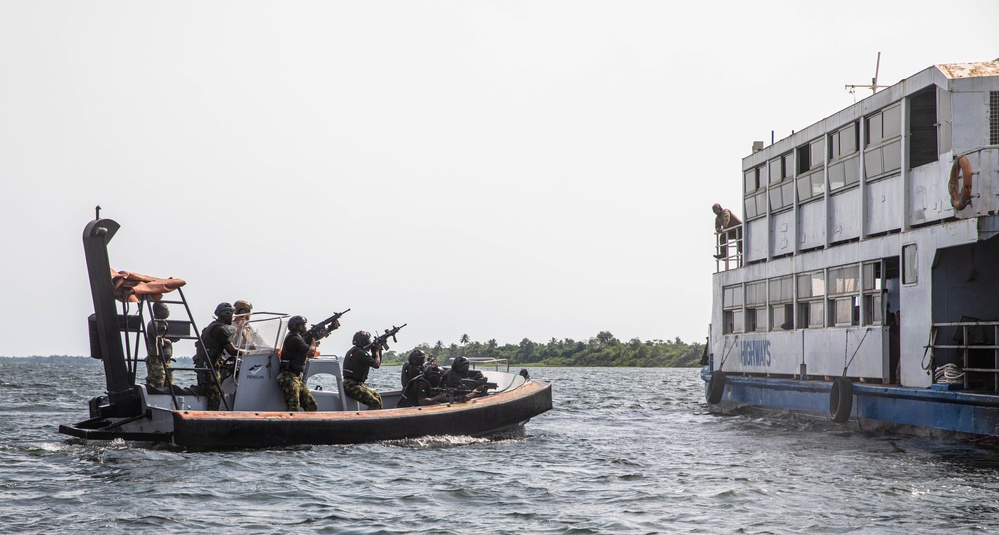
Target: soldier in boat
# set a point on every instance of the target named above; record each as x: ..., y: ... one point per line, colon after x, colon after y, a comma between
x: 356, y: 364
x: 413, y: 367
x: 216, y: 339
x: 294, y: 353
x: 424, y: 389
x: 466, y: 384
x: 247, y: 337
x: 159, y: 347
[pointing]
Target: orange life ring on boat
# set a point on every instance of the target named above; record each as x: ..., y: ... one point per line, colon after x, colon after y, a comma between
x: 960, y: 199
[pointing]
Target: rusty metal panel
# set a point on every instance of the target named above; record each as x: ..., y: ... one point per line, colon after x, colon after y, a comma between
x: 884, y: 205
x: 844, y: 215
x: 755, y: 239
x: 782, y: 233
x: 812, y: 225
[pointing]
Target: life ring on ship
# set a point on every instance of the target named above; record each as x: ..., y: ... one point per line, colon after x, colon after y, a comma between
x: 716, y: 387
x: 960, y: 199
x: 840, y: 400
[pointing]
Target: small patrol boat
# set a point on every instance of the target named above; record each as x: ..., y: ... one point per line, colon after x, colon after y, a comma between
x: 252, y: 411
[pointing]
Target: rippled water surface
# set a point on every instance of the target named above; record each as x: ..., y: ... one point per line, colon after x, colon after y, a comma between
x: 624, y: 451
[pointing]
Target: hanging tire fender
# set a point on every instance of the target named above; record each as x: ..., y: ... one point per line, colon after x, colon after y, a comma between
x: 960, y: 198
x: 716, y: 387
x: 840, y: 400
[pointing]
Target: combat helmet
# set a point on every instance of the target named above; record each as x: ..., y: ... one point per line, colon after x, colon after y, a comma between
x: 460, y: 366
x: 433, y: 374
x: 224, y: 312
x: 242, y: 307
x: 295, y: 321
x: 161, y: 311
x: 417, y: 357
x: 362, y: 338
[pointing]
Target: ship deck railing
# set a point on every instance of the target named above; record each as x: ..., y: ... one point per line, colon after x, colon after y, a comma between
x: 980, y: 337
x: 728, y: 249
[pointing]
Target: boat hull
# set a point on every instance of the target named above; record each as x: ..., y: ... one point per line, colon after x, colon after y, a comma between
x: 912, y: 410
x: 480, y: 417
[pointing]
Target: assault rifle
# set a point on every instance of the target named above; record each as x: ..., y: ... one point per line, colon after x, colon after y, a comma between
x: 381, y: 341
x: 479, y: 387
x: 322, y: 329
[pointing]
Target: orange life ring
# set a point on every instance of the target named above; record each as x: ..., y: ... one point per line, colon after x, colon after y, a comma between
x: 960, y: 199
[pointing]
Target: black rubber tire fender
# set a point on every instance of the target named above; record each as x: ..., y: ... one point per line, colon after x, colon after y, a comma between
x: 840, y: 400
x: 716, y: 387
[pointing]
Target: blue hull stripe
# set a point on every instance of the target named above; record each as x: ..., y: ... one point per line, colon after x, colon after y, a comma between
x: 961, y: 412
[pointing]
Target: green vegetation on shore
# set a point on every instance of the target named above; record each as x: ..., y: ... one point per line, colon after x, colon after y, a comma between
x: 602, y: 350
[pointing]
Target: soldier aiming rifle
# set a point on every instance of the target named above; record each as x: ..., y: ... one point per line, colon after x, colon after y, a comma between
x: 323, y: 328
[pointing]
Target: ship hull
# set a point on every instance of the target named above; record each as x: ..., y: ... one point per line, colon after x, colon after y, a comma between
x: 917, y: 411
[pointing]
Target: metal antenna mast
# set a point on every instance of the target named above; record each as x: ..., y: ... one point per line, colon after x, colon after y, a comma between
x: 874, y: 81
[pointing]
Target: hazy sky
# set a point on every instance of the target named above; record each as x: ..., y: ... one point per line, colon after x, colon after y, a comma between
x: 501, y: 169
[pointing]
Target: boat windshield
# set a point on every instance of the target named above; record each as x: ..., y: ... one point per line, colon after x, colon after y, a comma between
x: 259, y: 332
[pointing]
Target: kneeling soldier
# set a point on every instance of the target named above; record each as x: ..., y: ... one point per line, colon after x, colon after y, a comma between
x: 294, y: 353
x: 356, y: 364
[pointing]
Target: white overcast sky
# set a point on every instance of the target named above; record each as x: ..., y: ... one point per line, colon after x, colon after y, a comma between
x: 501, y: 169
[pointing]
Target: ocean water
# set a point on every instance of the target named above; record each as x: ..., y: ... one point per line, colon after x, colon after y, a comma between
x: 623, y: 451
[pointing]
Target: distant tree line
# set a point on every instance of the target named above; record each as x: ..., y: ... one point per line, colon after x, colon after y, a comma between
x: 601, y: 350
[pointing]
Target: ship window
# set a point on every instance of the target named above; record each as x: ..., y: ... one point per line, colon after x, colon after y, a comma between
x: 892, y: 122
x: 909, y: 264
x: 884, y: 125
x: 892, y: 156
x: 761, y: 203
x: 811, y: 289
x: 756, y: 293
x: 756, y: 319
x: 994, y: 118
x: 810, y: 315
x: 843, y: 280
x: 923, y: 128
x: 804, y: 163
x: 846, y: 311
x: 775, y: 172
x: 874, y: 134
x: 781, y: 196
x: 873, y: 313
x: 872, y: 277
x: 781, y: 317
x: 732, y: 320
x: 753, y: 181
x: 781, y: 303
x: 732, y: 313
x: 811, y: 285
x: 732, y: 297
x: 750, y: 208
x: 780, y: 290
x: 816, y: 150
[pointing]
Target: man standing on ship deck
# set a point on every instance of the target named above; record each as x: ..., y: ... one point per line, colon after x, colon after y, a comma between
x: 725, y: 220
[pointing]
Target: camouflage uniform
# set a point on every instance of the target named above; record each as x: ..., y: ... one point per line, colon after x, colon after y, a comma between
x: 215, y: 336
x: 159, y: 348
x: 294, y: 353
x: 356, y: 364
x: 358, y: 391
x: 296, y: 394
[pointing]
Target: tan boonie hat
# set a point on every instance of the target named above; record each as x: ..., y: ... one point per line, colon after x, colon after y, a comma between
x: 242, y: 307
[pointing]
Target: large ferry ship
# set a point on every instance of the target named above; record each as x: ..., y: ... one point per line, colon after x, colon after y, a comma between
x: 861, y: 285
